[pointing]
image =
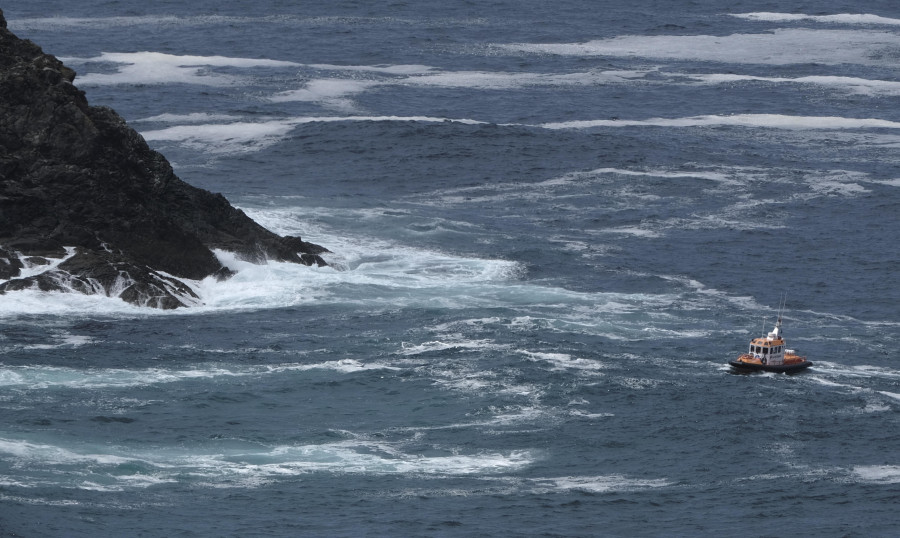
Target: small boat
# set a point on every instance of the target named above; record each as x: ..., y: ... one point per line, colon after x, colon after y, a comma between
x: 769, y: 353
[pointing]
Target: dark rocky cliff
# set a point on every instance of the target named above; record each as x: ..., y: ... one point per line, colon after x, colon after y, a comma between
x: 74, y: 175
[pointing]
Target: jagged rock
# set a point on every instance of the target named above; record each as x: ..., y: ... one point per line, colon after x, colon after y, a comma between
x: 10, y: 264
x: 74, y: 175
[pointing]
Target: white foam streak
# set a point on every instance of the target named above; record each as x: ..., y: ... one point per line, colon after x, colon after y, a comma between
x: 893, y: 395
x: 332, y: 93
x: 838, y: 18
x: 562, y: 185
x: 37, y: 452
x: 564, y: 361
x: 779, y: 47
x: 54, y: 377
x: 160, y: 68
x: 514, y: 486
x: 772, y: 121
x: 35, y: 501
x: 838, y: 183
x: 56, y: 341
x: 854, y: 85
x: 194, y: 117
x: 423, y: 119
x: 252, y: 136
x: 694, y: 174
x: 248, y: 137
x: 857, y: 371
x: 505, y: 81
x: 55, y: 23
x: 103, y: 468
x: 344, y: 366
x: 224, y: 138
x: 381, y: 69
x: 156, y: 21
x: 878, y: 474
x: 438, y: 345
x: 44, y: 377
x: 599, y: 484
x: 336, y: 92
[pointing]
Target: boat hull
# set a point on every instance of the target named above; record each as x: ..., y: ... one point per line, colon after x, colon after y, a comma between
x: 783, y: 368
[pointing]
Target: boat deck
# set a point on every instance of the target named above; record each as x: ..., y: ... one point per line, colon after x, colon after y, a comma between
x: 789, y: 359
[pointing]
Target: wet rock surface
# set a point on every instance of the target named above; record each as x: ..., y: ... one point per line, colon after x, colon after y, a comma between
x: 75, y: 175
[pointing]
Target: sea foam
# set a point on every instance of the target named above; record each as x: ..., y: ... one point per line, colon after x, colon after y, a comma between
x: 238, y: 137
x: 160, y: 68
x: 878, y: 474
x: 330, y: 90
x: 852, y: 85
x: 779, y: 47
x: 33, y: 378
x: 365, y: 271
x: 838, y: 18
x: 242, y: 464
x: 772, y: 121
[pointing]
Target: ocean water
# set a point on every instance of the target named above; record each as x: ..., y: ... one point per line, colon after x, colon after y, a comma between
x: 551, y: 223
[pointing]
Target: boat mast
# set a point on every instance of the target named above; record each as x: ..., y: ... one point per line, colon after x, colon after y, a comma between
x: 781, y: 311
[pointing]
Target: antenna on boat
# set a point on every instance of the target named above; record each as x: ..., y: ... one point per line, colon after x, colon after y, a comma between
x: 781, y: 304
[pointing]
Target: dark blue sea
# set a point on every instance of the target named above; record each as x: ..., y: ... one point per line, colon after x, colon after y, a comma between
x: 551, y: 225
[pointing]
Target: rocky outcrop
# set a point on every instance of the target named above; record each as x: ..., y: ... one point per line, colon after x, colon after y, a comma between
x: 74, y: 175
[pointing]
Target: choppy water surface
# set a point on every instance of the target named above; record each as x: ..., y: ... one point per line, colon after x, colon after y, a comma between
x: 551, y: 225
